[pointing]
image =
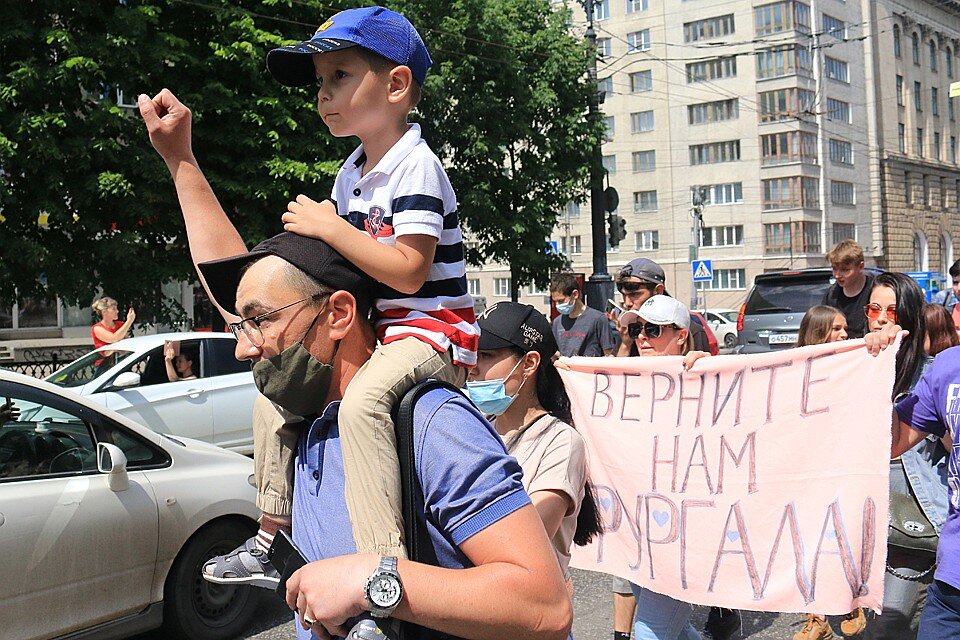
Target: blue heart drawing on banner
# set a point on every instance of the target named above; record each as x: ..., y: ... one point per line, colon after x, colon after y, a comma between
x: 733, y: 536
x: 661, y: 517
x: 606, y: 502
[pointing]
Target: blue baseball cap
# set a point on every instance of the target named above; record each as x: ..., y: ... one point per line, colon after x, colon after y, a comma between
x: 376, y: 29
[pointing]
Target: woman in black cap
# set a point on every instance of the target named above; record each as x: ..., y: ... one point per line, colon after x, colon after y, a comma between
x: 517, y: 386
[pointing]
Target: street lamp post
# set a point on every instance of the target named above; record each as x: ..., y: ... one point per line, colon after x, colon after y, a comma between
x: 599, y: 285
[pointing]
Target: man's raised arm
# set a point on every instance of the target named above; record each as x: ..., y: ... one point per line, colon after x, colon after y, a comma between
x: 210, y: 233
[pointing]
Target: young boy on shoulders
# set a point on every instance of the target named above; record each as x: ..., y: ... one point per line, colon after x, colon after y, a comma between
x: 393, y: 215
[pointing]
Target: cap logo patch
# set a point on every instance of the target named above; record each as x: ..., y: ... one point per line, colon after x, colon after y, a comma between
x: 486, y: 312
x: 530, y: 335
x: 326, y: 25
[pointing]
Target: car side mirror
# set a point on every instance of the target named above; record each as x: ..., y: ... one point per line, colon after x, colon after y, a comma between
x: 126, y: 380
x: 112, y: 462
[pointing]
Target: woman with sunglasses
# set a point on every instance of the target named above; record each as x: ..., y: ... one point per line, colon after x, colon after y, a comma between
x: 517, y: 386
x: 897, y: 299
x: 660, y: 326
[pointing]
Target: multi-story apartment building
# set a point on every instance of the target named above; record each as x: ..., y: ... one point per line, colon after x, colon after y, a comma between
x: 798, y: 123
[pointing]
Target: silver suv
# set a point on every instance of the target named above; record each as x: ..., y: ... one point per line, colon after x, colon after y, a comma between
x: 770, y: 318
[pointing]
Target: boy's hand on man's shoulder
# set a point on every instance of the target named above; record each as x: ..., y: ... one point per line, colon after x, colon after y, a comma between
x: 168, y: 124
x: 309, y: 218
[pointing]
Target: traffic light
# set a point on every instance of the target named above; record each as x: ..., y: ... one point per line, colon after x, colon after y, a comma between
x: 618, y: 229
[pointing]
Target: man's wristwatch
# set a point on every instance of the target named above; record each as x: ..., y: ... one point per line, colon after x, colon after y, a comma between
x: 384, y: 589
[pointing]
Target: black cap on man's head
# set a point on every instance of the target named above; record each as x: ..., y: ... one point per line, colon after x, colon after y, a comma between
x: 511, y: 324
x: 314, y: 257
x: 645, y: 269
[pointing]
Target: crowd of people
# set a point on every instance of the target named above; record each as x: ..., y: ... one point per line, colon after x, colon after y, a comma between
x: 364, y: 295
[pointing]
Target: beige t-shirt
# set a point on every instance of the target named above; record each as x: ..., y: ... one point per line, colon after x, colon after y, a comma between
x: 552, y: 456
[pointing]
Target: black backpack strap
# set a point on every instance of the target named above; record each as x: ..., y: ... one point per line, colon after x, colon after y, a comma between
x: 416, y: 536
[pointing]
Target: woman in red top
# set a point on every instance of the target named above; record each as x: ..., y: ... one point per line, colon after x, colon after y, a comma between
x: 110, y: 329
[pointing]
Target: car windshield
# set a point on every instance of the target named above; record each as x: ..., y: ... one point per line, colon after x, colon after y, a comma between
x: 731, y: 316
x: 795, y: 296
x: 84, y: 369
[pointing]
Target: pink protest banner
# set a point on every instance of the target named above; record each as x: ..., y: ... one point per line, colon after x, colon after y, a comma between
x: 750, y: 482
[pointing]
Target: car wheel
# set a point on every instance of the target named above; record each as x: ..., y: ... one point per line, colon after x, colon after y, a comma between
x: 200, y: 610
x: 730, y: 341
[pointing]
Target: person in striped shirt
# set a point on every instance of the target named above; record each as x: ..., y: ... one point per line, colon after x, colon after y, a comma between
x: 393, y: 215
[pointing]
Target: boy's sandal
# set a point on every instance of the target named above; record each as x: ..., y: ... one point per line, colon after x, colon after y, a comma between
x: 247, y: 564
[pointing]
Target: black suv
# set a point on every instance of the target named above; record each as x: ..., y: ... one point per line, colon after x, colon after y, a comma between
x: 770, y: 318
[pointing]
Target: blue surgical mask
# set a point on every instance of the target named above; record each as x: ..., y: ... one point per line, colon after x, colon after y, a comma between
x: 490, y: 396
x: 564, y: 308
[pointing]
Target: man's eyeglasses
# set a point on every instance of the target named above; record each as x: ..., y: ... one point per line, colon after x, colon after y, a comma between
x: 651, y: 330
x: 873, y: 311
x: 251, y: 326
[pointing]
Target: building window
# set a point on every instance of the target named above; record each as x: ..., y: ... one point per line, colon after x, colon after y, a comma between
x: 933, y: 56
x: 727, y: 236
x: 842, y: 193
x: 834, y: 27
x: 714, y: 194
x: 921, y: 252
x: 609, y: 128
x: 715, y: 69
x: 646, y: 240
x: 935, y: 101
x: 785, y: 238
x: 601, y: 9
x: 936, y: 145
x: 575, y: 247
x: 790, y: 193
x: 641, y: 81
x: 951, y: 109
x: 902, y: 137
x: 900, y: 90
x: 644, y: 161
x: 715, y: 152
x: 638, y: 41
x: 604, y: 47
x: 839, y: 111
x: 897, y: 50
x: 918, y: 96
x: 644, y: 201
x: 844, y: 231
x: 728, y: 280
x: 953, y: 149
x: 473, y: 286
x: 784, y: 61
x: 572, y: 209
x: 841, y: 151
x: 789, y: 146
x: 926, y: 190
x: 717, y: 111
x: 907, y: 187
x: 782, y: 16
x: 641, y: 121
x: 949, y: 58
x: 501, y: 287
x: 605, y: 86
x: 636, y: 6
x: 708, y: 28
x: 610, y: 164
x: 836, y: 69
x: 786, y: 104
x: 915, y: 48
x: 919, y: 142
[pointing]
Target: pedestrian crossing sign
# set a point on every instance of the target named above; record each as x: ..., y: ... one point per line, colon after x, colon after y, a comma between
x: 702, y: 270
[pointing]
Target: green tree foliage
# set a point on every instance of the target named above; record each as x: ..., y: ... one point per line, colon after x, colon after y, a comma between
x: 86, y: 204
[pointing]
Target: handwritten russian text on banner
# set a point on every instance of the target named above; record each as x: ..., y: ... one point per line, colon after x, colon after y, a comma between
x: 751, y: 482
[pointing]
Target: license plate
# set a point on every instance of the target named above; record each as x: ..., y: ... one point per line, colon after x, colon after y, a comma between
x: 783, y: 338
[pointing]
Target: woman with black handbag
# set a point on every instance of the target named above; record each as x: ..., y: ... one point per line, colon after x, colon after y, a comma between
x: 918, y: 487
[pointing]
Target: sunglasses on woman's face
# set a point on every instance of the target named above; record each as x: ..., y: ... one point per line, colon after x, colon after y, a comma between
x: 651, y: 330
x: 873, y: 311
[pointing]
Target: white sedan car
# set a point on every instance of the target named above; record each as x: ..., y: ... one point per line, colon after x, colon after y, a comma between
x: 105, y: 525
x: 723, y: 323
x: 131, y: 378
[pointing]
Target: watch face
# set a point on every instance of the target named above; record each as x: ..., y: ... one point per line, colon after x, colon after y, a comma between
x: 385, y: 591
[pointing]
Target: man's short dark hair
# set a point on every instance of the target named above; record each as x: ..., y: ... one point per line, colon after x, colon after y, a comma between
x: 955, y: 270
x: 565, y: 283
